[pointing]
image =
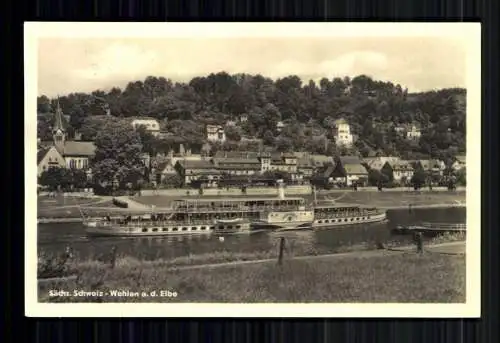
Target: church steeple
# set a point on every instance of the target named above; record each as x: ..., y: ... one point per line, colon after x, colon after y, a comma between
x: 58, y: 119
x: 58, y: 131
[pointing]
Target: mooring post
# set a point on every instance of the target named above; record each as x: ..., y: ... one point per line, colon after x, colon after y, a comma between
x: 281, y: 249
x: 409, y: 208
x: 420, y: 242
x: 113, y: 257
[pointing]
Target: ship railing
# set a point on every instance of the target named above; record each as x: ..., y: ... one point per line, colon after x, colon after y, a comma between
x: 346, y: 214
x: 157, y: 223
x: 241, y: 209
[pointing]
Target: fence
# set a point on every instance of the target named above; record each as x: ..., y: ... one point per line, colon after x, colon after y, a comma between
x: 231, y: 191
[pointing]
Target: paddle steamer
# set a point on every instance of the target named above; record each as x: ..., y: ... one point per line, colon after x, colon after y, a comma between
x: 233, y: 215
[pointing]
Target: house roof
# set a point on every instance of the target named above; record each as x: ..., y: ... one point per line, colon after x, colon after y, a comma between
x: 163, y: 165
x: 289, y: 155
x: 340, y: 121
x: 77, y: 148
x: 461, y: 158
x: 41, y: 154
x: 239, y: 166
x: 376, y: 165
x: 236, y: 154
x: 328, y: 171
x: 237, y: 161
x: 319, y: 160
x: 196, y: 164
x: 305, y: 162
x: 350, y: 160
x: 358, y: 169
x: 143, y: 119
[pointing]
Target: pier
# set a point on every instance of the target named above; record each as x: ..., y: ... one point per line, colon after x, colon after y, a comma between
x: 433, y: 228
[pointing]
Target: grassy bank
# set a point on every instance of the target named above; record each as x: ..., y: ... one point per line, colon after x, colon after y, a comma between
x: 60, y: 207
x: 379, y: 199
x: 382, y: 277
x: 401, y: 199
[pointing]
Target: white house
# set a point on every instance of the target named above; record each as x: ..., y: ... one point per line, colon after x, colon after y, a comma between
x: 280, y: 126
x: 215, y: 133
x: 460, y: 163
x: 342, y: 133
x: 402, y: 170
x: 414, y: 133
x: 151, y: 125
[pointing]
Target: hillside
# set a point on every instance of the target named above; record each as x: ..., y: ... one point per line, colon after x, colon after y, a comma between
x: 374, y: 109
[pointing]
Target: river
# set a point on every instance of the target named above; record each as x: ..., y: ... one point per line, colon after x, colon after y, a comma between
x: 54, y: 238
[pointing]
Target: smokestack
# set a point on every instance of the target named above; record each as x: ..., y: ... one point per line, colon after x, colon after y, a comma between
x: 281, y: 191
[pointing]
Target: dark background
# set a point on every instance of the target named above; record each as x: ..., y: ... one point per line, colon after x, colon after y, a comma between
x: 20, y: 329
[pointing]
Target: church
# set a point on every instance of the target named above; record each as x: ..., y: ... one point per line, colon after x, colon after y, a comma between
x: 62, y: 152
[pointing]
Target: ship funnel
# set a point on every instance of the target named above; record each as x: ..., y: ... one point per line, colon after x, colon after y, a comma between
x: 281, y: 191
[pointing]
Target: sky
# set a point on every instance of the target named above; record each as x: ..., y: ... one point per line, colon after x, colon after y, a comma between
x: 67, y: 65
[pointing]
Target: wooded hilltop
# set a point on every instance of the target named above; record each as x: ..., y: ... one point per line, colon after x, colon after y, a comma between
x: 374, y: 109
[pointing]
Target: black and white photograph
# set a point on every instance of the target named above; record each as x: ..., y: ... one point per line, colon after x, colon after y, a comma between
x: 253, y: 169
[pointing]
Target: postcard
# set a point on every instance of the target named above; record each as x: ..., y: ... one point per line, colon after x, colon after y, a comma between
x: 253, y: 169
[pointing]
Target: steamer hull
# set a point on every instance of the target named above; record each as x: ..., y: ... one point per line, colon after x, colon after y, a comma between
x: 235, y: 215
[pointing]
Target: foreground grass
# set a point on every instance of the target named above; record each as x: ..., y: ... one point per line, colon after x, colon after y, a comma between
x: 404, y: 277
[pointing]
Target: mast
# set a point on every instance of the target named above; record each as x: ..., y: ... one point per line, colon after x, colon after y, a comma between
x: 314, y: 193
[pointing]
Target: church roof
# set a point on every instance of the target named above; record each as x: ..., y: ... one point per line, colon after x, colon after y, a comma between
x: 77, y: 148
x: 41, y: 154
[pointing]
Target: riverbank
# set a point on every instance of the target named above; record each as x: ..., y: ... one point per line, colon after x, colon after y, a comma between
x: 60, y: 211
x: 369, y: 276
x: 43, y: 220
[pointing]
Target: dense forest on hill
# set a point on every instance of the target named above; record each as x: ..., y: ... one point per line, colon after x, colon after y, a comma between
x: 373, y: 109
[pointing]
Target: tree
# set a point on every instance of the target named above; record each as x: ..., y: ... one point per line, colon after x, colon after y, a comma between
x: 219, y: 97
x: 418, y: 179
x: 149, y: 142
x: 78, y: 178
x: 118, y: 155
x: 53, y: 178
x: 173, y: 181
x: 388, y: 172
x: 461, y: 177
x: 268, y: 138
x: 375, y: 177
x: 232, y: 133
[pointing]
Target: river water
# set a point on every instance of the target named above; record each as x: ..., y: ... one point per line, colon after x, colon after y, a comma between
x: 53, y: 238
